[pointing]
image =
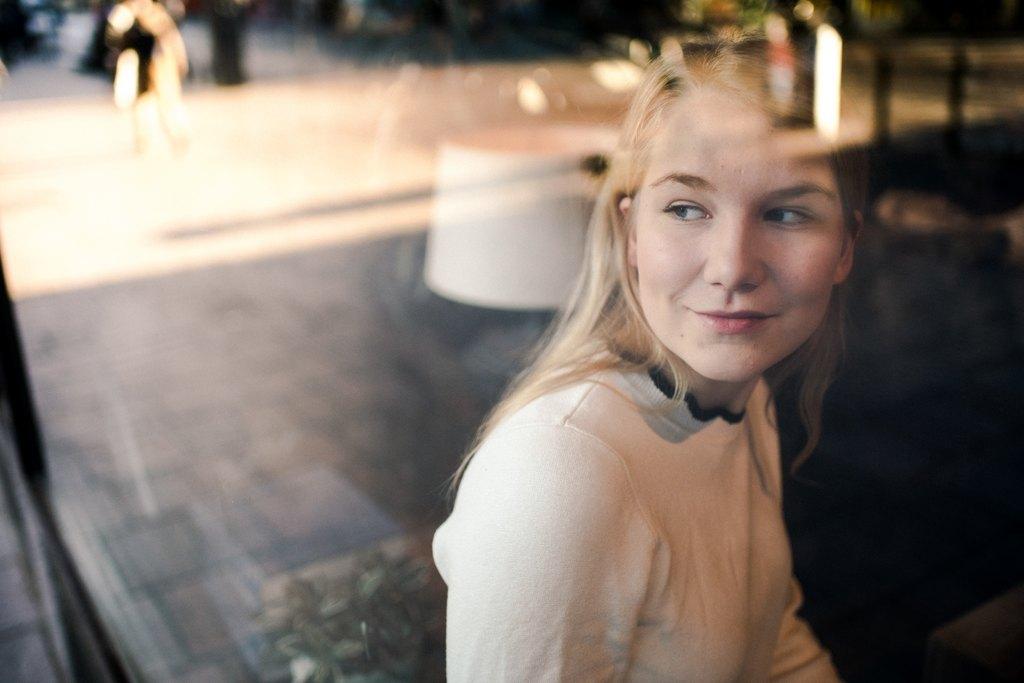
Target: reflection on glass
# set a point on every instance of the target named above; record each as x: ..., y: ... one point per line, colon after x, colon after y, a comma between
x: 250, y: 398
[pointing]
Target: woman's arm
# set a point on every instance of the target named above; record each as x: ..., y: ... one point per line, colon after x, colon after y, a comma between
x: 546, y: 557
x: 799, y: 657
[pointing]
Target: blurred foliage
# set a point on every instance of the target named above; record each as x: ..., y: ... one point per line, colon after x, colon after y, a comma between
x: 742, y: 13
x: 376, y: 622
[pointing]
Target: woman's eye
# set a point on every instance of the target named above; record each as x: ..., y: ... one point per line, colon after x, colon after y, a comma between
x: 787, y: 216
x: 687, y: 212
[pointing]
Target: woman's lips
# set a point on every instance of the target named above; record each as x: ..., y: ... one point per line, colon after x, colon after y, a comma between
x: 733, y: 322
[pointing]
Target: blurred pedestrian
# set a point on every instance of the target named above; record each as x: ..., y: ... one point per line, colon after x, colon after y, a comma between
x: 151, y: 61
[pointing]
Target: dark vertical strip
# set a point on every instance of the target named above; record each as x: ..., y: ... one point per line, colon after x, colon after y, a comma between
x: 75, y: 620
x: 12, y: 363
x: 94, y: 656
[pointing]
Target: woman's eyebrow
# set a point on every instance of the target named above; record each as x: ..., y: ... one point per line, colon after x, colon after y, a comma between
x: 800, y: 190
x: 693, y: 181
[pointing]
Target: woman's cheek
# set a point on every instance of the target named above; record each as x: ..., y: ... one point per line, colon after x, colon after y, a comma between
x: 662, y: 263
x: 811, y: 278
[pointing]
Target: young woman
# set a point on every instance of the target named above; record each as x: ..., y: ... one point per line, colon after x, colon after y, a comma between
x: 620, y: 516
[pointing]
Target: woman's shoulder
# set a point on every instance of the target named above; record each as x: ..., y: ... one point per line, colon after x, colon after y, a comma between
x: 539, y: 475
x: 592, y: 405
x: 568, y: 429
x: 556, y: 431
x: 564, y: 441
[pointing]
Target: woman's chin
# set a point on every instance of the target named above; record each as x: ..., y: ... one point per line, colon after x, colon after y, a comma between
x: 726, y: 370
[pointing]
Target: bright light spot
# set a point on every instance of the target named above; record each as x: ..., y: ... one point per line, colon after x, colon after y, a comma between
x: 639, y: 51
x: 531, y: 96
x: 828, y: 66
x: 803, y: 10
x: 617, y: 75
x: 775, y: 28
x: 302, y: 668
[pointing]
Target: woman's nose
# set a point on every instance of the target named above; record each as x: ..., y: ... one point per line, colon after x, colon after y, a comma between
x: 733, y: 259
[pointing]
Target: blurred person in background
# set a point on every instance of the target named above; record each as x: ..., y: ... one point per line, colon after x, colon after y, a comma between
x: 98, y: 57
x: 151, y: 61
x: 620, y: 515
x: 27, y: 26
x: 14, y: 36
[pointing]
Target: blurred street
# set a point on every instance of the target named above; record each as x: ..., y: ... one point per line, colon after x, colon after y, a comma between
x: 327, y: 155
x: 288, y: 161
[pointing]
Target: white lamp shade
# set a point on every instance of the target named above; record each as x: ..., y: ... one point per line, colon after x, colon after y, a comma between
x: 511, y: 206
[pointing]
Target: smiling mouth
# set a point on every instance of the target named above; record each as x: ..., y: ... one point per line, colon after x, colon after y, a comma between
x: 733, y: 322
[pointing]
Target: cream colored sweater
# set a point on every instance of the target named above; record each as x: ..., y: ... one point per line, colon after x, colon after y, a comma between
x: 592, y: 540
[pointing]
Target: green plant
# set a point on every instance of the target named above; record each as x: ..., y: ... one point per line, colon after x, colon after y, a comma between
x: 373, y: 623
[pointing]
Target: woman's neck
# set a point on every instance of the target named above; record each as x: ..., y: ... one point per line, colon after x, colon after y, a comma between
x: 665, y: 385
x: 710, y: 395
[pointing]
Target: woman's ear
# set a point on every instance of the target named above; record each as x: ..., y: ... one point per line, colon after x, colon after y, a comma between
x: 849, y: 242
x: 624, y: 205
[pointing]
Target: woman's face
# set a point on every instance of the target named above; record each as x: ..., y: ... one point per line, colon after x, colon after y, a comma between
x: 737, y: 239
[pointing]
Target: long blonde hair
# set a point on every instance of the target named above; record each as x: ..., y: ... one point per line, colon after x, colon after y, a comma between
x: 603, y: 326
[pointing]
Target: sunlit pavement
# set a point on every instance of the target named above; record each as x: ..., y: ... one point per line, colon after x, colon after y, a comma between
x: 273, y: 166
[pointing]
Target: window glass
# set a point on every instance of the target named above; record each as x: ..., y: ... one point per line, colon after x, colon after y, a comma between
x: 264, y: 321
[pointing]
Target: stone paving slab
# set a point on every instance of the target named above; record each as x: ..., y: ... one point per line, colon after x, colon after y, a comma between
x: 25, y: 659
x: 26, y: 653
x: 19, y: 607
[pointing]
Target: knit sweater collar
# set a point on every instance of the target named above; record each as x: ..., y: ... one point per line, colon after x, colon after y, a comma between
x: 671, y: 420
x: 666, y: 387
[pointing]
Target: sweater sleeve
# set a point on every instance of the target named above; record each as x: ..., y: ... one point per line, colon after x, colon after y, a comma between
x: 546, y: 556
x: 798, y: 656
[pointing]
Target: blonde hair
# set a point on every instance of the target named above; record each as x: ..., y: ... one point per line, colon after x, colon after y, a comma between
x: 603, y: 326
